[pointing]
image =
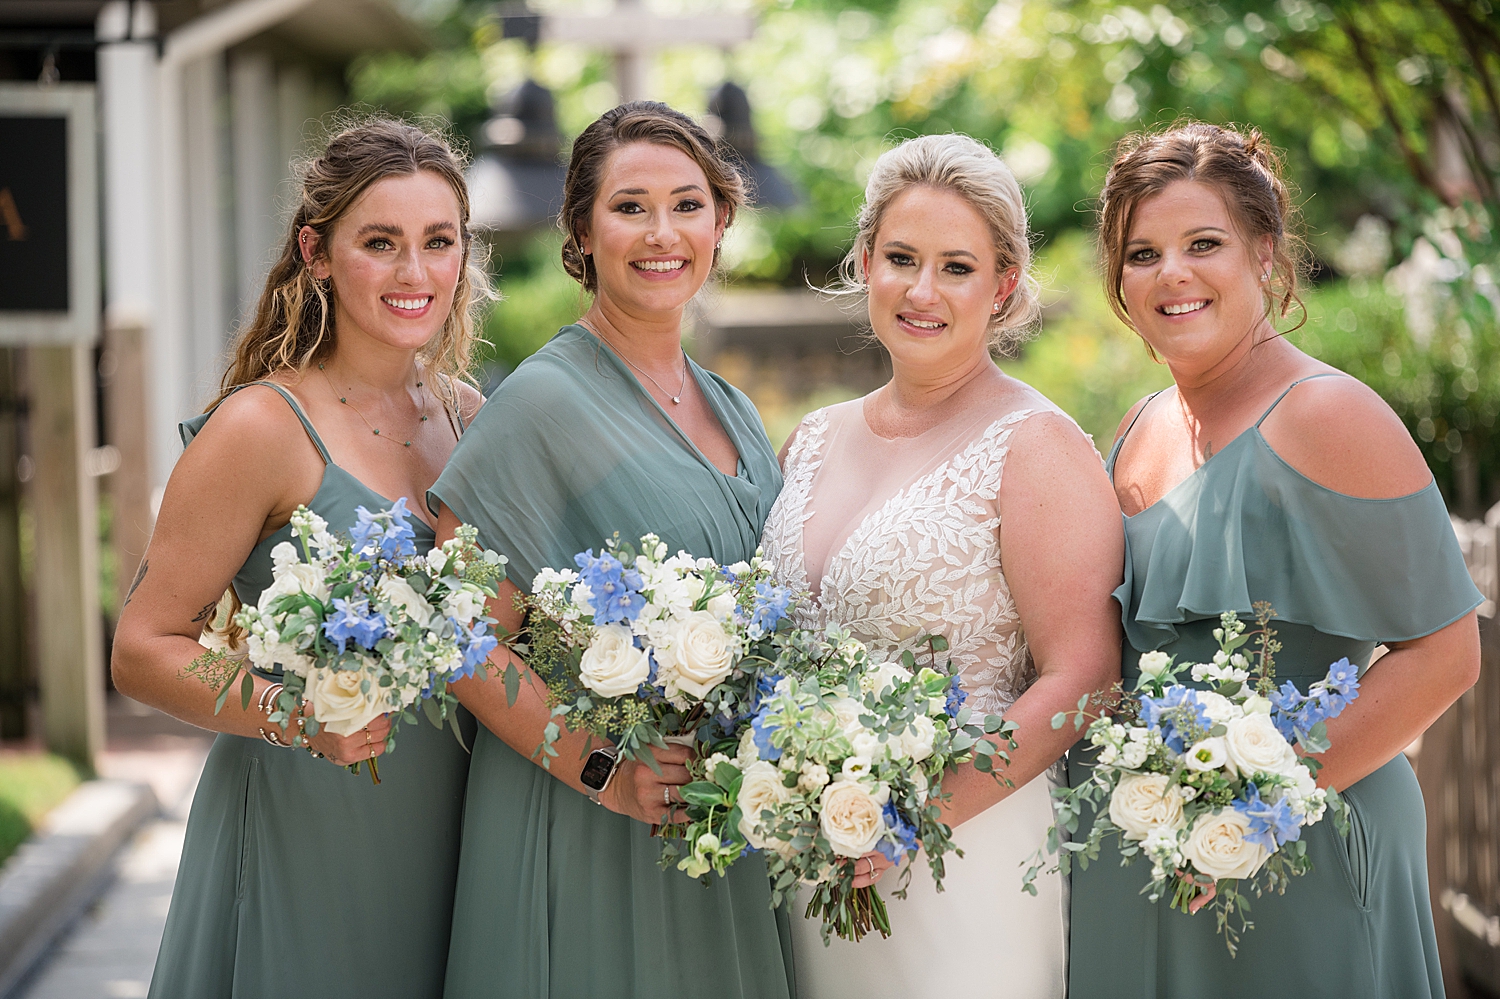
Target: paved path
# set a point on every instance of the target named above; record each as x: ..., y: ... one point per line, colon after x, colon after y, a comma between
x: 110, y: 952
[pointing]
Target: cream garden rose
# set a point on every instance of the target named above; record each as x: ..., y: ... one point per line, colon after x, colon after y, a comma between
x: 399, y: 592
x: 851, y: 818
x: 339, y: 703
x: 1217, y: 846
x: 1144, y: 801
x: 612, y: 666
x: 761, y: 789
x: 1255, y: 746
x: 698, y: 653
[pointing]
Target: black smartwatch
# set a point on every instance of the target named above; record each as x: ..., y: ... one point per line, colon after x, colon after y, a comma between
x: 597, y: 770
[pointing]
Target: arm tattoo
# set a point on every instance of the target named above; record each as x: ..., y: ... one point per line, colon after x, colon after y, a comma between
x: 140, y: 574
x: 206, y: 613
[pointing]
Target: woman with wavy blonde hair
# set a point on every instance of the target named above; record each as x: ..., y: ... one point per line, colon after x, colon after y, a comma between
x: 956, y: 501
x: 346, y: 389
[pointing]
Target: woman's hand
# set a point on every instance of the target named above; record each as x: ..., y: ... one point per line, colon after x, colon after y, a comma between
x: 635, y: 790
x: 869, y: 868
x: 345, y: 750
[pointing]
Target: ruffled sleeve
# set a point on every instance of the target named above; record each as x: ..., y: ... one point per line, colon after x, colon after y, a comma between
x: 1248, y: 527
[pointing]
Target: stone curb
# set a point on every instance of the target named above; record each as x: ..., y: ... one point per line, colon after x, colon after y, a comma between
x: 63, y: 868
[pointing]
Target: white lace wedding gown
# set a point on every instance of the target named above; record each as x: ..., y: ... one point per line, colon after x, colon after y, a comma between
x: 896, y: 540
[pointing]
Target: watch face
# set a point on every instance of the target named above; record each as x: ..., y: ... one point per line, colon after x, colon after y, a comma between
x: 596, y: 770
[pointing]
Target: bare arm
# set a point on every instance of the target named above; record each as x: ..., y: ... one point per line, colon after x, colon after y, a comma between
x: 233, y: 487
x: 634, y: 790
x: 1339, y: 433
x: 1063, y: 547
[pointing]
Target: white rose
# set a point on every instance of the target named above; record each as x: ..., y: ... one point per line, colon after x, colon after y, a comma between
x: 1255, y: 705
x: 916, y: 739
x: 1218, y: 848
x: 846, y: 712
x: 339, y: 704
x: 882, y: 676
x: 1219, y: 708
x: 293, y: 577
x: 699, y: 653
x: 437, y: 561
x: 1206, y: 755
x: 1254, y: 746
x: 1142, y: 801
x: 1154, y: 664
x: 868, y: 745
x: 761, y: 789
x: 721, y: 605
x: 398, y: 591
x: 465, y: 605
x: 612, y: 666
x: 850, y: 818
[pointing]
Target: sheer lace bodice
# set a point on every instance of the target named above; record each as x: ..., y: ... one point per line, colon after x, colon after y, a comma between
x: 900, y: 539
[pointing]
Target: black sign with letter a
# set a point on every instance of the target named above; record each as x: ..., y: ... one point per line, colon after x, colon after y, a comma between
x: 33, y: 214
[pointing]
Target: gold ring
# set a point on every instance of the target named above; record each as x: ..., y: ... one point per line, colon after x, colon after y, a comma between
x: 666, y: 795
x: 367, y: 736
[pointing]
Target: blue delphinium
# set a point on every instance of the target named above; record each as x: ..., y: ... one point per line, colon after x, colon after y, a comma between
x: 1342, y: 686
x: 770, y: 607
x: 1271, y: 825
x: 902, y: 837
x: 388, y: 533
x: 476, y: 644
x: 615, y: 590
x: 1178, y: 716
x: 354, y: 622
x: 956, y: 698
x: 762, y: 736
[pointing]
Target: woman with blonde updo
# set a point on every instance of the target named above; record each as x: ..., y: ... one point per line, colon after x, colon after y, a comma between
x: 297, y: 878
x: 960, y: 502
x: 1264, y: 475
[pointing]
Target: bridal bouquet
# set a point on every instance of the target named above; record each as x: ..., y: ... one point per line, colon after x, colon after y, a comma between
x: 1212, y: 786
x: 361, y: 625
x: 640, y: 648
x: 840, y: 759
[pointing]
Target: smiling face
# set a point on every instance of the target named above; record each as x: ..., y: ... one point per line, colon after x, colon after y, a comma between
x: 934, y: 280
x: 1193, y: 284
x: 395, y: 259
x: 653, y: 229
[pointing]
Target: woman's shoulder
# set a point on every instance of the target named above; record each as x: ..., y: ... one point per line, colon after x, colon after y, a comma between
x: 1336, y: 431
x: 253, y: 416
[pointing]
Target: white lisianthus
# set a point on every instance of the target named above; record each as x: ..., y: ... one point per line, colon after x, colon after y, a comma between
x: 761, y: 790
x: 1217, y: 846
x: 882, y: 676
x: 1206, y: 755
x: 436, y: 561
x: 867, y: 744
x: 339, y: 702
x: 855, y: 767
x: 398, y: 591
x: 738, y: 569
x: 1255, y: 746
x: 1143, y: 801
x: 850, y: 818
x: 1219, y: 708
x: 464, y: 605
x: 699, y: 653
x: 1154, y: 664
x: 290, y: 576
x: 612, y: 666
x: 917, y: 737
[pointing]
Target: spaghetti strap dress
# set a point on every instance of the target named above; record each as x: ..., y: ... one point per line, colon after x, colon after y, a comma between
x: 297, y: 877
x: 557, y: 896
x: 1343, y: 574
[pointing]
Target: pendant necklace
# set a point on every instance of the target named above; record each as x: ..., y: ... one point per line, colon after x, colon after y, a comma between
x: 676, y: 398
x: 374, y: 429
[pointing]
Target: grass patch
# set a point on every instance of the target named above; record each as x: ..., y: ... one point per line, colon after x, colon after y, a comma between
x: 31, y: 785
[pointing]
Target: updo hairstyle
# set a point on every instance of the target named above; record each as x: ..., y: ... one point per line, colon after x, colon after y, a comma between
x: 293, y: 324
x: 1246, y: 170
x: 975, y: 173
x: 637, y: 121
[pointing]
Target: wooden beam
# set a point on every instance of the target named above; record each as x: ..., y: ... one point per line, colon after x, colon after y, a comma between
x: 124, y: 378
x: 70, y: 642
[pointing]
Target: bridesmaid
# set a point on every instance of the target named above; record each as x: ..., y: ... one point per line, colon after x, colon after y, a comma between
x: 292, y: 868
x: 1263, y: 474
x: 609, y: 427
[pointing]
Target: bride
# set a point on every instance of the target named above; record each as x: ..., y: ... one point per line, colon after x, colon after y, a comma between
x: 898, y: 513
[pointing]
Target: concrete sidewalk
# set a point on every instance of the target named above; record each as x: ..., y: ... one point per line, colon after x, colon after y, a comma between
x: 110, y: 951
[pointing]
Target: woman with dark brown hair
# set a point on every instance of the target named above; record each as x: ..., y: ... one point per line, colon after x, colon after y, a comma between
x: 1264, y: 475
x: 297, y: 878
x: 608, y: 428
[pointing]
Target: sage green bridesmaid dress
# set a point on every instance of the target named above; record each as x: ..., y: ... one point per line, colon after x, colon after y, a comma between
x: 299, y: 878
x: 558, y: 897
x: 1343, y: 574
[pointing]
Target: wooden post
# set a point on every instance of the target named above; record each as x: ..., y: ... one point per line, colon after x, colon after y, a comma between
x: 125, y: 417
x: 70, y: 642
x: 14, y: 661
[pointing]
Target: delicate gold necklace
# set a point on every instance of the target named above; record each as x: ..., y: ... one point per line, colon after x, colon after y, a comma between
x: 677, y: 398
x: 374, y: 429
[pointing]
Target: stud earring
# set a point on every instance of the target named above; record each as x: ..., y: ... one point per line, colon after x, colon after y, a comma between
x: 996, y: 308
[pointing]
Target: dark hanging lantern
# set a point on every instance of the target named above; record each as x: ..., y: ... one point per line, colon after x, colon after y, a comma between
x: 729, y: 117
x: 516, y: 182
